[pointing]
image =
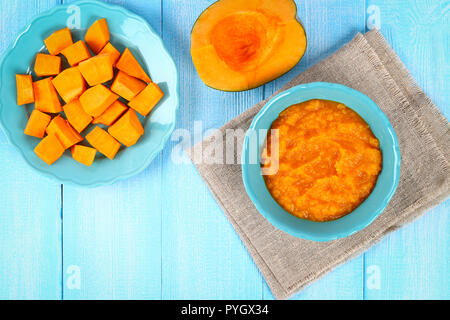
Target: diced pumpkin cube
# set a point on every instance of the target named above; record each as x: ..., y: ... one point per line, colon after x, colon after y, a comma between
x: 64, y: 131
x: 147, y: 99
x: 128, y: 64
x: 37, y: 123
x: 45, y: 96
x: 77, y: 117
x: 113, y: 52
x: 58, y: 41
x: 47, y: 65
x: 49, y: 149
x: 83, y: 154
x: 70, y: 84
x: 97, y: 99
x: 103, y: 142
x: 128, y: 129
x: 97, y: 69
x: 97, y: 36
x: 127, y: 86
x: 76, y: 53
x: 111, y: 114
x: 25, y: 93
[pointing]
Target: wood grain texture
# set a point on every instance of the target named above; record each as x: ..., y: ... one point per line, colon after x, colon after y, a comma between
x: 161, y: 234
x: 202, y: 255
x: 336, y: 22
x: 414, y: 262
x: 112, y: 235
x: 30, y: 229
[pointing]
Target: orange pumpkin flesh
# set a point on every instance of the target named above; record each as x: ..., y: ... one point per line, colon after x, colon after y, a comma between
x: 103, y: 142
x: 241, y: 44
x: 96, y: 70
x: 25, y: 93
x: 128, y: 129
x: 83, y: 154
x: 37, y: 123
x: 113, y: 52
x: 45, y: 96
x: 111, y: 114
x: 64, y: 132
x: 58, y: 41
x: 77, y: 117
x: 128, y: 64
x: 127, y: 86
x: 76, y: 53
x: 97, y: 36
x: 147, y: 99
x: 47, y: 65
x: 97, y: 99
x: 98, y: 104
x: 70, y: 84
x: 49, y: 149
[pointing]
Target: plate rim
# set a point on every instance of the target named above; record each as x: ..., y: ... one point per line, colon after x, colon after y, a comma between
x: 150, y: 157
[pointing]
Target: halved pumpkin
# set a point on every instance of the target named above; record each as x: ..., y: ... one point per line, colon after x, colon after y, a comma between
x: 241, y: 44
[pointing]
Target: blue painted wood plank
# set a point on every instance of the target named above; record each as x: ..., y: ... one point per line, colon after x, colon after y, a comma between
x: 112, y: 235
x: 414, y: 262
x: 328, y: 24
x: 203, y: 257
x: 112, y: 247
x: 152, y: 236
x: 30, y: 229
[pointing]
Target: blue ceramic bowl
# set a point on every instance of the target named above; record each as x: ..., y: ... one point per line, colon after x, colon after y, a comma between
x: 363, y: 215
x: 127, y: 30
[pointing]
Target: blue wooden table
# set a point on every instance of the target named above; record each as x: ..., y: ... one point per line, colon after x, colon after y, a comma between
x: 161, y: 234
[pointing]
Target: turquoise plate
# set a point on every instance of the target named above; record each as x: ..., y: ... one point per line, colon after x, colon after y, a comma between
x: 127, y: 30
x: 362, y: 216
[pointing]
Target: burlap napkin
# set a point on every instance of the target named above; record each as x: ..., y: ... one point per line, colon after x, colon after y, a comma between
x: 368, y: 64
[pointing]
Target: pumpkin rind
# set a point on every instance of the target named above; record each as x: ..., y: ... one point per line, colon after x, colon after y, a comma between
x: 241, y: 44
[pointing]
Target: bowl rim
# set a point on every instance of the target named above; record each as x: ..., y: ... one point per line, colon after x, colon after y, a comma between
x: 150, y: 156
x: 292, y: 230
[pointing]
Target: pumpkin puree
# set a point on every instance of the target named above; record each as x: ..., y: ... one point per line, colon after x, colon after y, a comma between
x: 329, y: 160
